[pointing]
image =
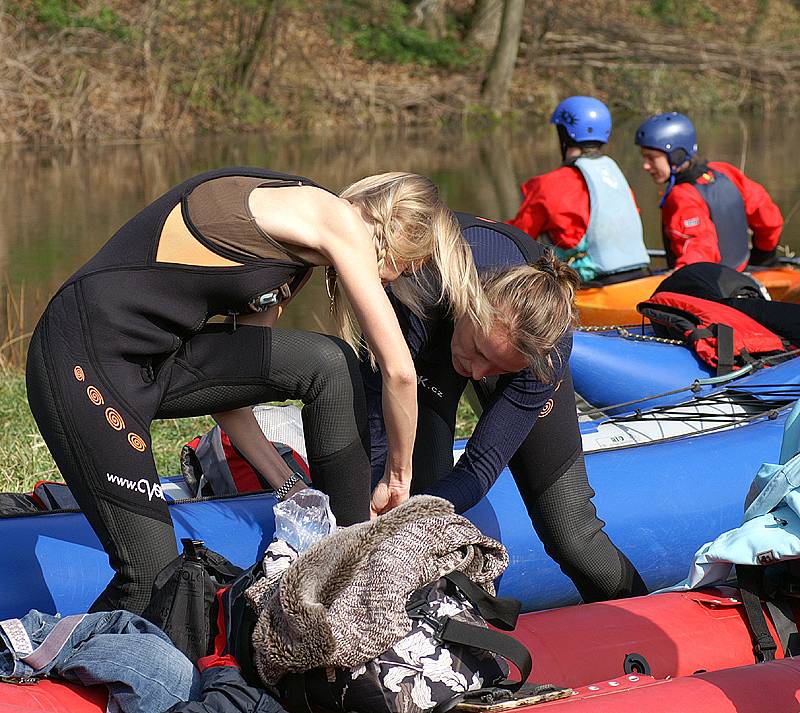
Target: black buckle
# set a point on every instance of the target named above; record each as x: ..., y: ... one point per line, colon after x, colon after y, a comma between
x: 262, y: 302
x: 420, y: 613
x: 764, y: 646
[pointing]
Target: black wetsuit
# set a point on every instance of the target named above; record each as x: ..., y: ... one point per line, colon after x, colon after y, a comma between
x: 526, y: 424
x: 125, y: 340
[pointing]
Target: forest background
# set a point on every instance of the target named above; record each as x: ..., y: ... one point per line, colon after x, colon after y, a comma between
x: 89, y: 70
x: 98, y: 71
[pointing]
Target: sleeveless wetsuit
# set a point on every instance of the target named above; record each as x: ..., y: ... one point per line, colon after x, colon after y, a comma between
x: 125, y: 340
x: 530, y: 426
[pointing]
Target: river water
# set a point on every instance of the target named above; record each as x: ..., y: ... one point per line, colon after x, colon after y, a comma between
x: 58, y: 205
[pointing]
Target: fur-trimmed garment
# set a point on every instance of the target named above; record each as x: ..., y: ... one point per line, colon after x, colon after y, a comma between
x: 343, y: 602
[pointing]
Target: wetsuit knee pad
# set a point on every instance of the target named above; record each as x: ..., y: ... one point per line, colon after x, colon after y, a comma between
x: 324, y: 372
x: 329, y: 363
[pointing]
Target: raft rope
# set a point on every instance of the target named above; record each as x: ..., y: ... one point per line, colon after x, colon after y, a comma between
x: 697, y: 384
x: 744, y: 420
x: 623, y: 330
x: 752, y: 405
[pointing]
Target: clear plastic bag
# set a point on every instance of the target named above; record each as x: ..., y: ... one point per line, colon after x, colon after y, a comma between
x: 304, y: 518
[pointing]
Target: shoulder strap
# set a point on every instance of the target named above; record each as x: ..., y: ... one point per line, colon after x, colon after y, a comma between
x: 500, y: 612
x: 724, y: 336
x: 749, y: 579
x: 478, y: 637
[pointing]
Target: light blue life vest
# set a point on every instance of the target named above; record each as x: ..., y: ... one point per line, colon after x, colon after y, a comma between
x: 770, y: 529
x: 613, y: 241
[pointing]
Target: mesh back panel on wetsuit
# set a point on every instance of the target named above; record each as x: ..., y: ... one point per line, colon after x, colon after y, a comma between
x: 220, y: 210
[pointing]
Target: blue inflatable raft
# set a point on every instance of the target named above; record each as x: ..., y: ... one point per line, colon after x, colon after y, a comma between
x: 662, y: 493
x: 611, y: 367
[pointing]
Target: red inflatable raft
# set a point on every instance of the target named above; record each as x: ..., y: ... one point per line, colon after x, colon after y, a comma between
x: 666, y: 635
x: 759, y: 688
x: 53, y: 697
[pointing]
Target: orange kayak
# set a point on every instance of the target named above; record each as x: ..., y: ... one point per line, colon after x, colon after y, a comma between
x: 616, y: 304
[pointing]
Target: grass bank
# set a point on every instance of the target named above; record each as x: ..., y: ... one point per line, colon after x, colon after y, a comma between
x: 24, y: 458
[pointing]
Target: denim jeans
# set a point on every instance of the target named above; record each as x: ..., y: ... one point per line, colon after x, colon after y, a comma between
x: 134, y: 659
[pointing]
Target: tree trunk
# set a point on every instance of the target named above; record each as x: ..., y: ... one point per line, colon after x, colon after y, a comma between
x: 431, y: 15
x: 484, y: 27
x: 496, y: 157
x: 494, y: 92
x: 255, y: 34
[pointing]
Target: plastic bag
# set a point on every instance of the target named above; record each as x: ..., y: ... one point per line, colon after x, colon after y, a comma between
x: 304, y: 518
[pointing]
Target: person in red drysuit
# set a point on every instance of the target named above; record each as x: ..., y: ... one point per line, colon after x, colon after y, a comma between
x: 708, y: 209
x: 585, y: 209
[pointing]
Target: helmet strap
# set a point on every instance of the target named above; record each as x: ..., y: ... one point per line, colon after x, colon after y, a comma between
x: 670, y: 186
x: 564, y: 142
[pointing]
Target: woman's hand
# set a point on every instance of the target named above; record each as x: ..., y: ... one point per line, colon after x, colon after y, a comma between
x: 388, y: 494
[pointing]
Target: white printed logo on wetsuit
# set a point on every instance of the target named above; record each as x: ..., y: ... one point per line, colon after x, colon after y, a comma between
x: 143, y: 486
x: 423, y: 382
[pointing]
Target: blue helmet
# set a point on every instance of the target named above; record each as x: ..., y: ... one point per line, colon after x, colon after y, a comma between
x: 584, y: 119
x: 669, y: 133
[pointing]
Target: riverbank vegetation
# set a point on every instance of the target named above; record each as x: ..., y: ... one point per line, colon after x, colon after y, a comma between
x: 87, y: 70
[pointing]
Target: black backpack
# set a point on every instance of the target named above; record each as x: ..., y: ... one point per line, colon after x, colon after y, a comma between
x: 184, y: 599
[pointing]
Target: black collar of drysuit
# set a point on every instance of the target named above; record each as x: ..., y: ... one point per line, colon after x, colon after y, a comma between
x: 691, y: 174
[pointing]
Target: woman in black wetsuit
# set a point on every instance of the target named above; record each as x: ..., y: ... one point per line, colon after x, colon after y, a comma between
x: 518, y: 365
x: 125, y: 340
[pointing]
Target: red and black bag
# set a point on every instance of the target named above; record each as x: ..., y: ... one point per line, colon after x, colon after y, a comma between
x: 211, y: 465
x: 721, y: 336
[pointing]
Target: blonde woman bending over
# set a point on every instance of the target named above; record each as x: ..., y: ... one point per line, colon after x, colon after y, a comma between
x: 126, y: 340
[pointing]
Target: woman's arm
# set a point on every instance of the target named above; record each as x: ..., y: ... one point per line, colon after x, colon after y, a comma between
x: 245, y: 433
x: 363, y: 288
x: 350, y: 250
x: 330, y: 231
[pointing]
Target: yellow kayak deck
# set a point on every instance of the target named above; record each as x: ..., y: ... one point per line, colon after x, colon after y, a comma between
x: 616, y: 304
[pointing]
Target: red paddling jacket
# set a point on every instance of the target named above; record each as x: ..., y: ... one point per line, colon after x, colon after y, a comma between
x: 706, y: 216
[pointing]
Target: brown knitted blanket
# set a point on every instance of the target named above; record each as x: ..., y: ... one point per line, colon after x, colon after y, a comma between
x: 343, y: 601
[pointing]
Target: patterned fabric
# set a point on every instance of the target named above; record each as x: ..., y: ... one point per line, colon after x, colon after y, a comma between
x: 277, y: 558
x: 419, y: 671
x: 343, y: 602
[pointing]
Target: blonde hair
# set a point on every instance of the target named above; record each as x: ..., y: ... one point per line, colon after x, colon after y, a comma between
x: 413, y: 226
x: 536, y: 304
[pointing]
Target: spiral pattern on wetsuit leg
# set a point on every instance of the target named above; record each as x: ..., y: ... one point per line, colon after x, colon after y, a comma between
x: 114, y: 419
x: 94, y: 396
x: 546, y: 409
x: 137, y: 442
x: 78, y: 373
